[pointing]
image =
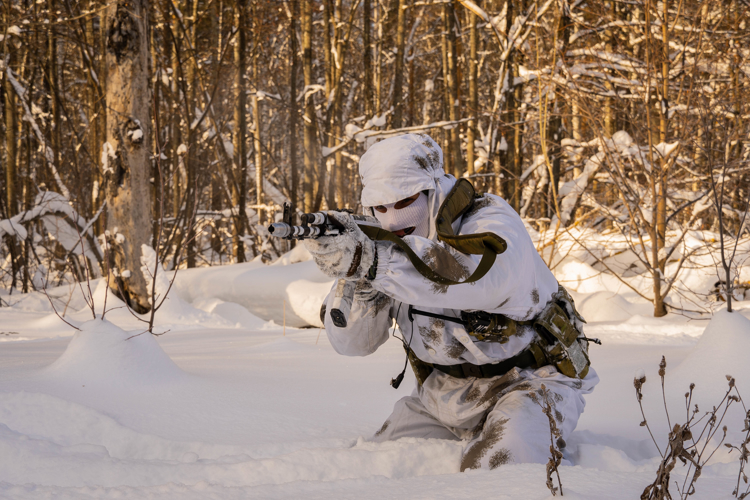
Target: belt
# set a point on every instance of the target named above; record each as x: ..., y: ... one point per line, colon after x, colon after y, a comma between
x: 525, y: 359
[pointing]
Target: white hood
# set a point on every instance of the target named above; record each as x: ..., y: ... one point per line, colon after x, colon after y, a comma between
x: 401, y: 166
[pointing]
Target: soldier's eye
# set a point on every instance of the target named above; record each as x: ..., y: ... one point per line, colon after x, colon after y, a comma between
x: 381, y: 209
x: 406, y: 202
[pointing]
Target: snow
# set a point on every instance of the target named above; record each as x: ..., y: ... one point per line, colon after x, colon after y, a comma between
x: 228, y: 403
x: 108, y: 152
x: 103, y: 355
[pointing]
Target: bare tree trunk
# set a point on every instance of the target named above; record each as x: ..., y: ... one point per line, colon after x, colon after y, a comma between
x: 294, y: 190
x: 338, y: 180
x: 661, y: 206
x: 473, y: 93
x: 177, y: 156
x: 92, y: 96
x: 54, y: 90
x: 514, y: 134
x: 239, y: 191
x: 329, y: 42
x: 378, y: 59
x: 128, y: 136
x: 446, y: 94
x: 217, y: 191
x: 367, y: 57
x: 256, y: 137
x: 310, y: 142
x: 155, y: 118
x: 652, y: 229
x: 451, y: 82
x: 327, y: 45
x: 740, y: 95
x: 101, y: 115
x: 11, y: 164
x: 191, y: 156
x: 555, y: 128
x: 398, y: 69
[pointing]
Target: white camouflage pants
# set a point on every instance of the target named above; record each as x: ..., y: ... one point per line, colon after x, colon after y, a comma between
x: 497, y: 416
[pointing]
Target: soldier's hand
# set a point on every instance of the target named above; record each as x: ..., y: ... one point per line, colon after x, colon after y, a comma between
x: 348, y: 255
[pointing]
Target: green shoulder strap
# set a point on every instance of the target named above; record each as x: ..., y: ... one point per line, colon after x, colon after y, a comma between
x: 458, y: 201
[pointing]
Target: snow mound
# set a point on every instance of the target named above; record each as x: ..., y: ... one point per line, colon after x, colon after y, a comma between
x: 297, y: 254
x: 230, y: 311
x: 605, y: 306
x: 292, y: 289
x: 102, y: 354
x: 273, y: 292
x: 722, y: 350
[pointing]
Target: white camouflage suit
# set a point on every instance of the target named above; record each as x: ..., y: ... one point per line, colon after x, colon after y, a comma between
x: 501, y: 423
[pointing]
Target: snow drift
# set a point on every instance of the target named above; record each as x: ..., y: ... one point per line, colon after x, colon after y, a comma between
x: 102, y: 354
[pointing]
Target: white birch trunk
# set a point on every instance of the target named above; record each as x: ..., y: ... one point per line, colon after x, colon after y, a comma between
x: 126, y: 162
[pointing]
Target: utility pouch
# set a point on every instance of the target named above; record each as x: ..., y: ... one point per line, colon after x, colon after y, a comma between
x: 488, y: 327
x: 561, y: 343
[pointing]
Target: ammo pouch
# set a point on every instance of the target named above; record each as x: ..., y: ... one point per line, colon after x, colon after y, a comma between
x: 561, y: 342
x: 489, y: 327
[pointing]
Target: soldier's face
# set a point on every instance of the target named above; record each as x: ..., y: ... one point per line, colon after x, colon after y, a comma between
x: 407, y: 216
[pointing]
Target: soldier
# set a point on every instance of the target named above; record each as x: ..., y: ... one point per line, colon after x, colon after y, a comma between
x: 480, y: 337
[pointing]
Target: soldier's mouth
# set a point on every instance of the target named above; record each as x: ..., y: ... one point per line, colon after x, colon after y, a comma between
x: 404, y: 232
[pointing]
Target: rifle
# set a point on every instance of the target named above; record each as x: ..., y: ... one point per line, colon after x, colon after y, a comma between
x: 314, y: 225
x: 458, y: 201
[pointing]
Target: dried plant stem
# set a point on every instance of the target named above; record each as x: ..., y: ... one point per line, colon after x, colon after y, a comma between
x: 542, y: 398
x: 638, y: 383
x: 682, y: 445
x: 44, y: 290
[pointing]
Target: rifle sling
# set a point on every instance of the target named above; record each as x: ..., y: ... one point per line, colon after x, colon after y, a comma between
x: 458, y: 201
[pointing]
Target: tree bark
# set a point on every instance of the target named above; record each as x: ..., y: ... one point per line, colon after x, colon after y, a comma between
x: 54, y: 90
x: 398, y: 69
x: 473, y: 93
x: 555, y: 127
x: 191, y: 155
x: 451, y: 83
x: 367, y: 57
x: 239, y: 139
x: 11, y: 164
x: 256, y: 135
x: 128, y: 136
x: 310, y: 143
x: 11, y: 167
x: 294, y: 190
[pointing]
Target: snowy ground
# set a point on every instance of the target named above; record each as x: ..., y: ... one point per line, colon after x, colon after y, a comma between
x: 226, y: 405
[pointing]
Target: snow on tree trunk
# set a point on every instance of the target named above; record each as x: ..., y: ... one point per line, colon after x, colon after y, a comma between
x: 125, y: 158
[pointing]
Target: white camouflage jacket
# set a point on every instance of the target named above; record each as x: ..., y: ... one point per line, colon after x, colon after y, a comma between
x: 518, y: 285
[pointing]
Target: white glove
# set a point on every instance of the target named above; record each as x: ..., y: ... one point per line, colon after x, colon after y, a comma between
x: 348, y: 255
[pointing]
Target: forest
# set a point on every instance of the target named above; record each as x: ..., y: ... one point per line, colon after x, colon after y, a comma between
x: 620, y: 127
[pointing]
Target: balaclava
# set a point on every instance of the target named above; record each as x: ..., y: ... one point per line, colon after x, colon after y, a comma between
x: 415, y: 215
x: 398, y: 168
